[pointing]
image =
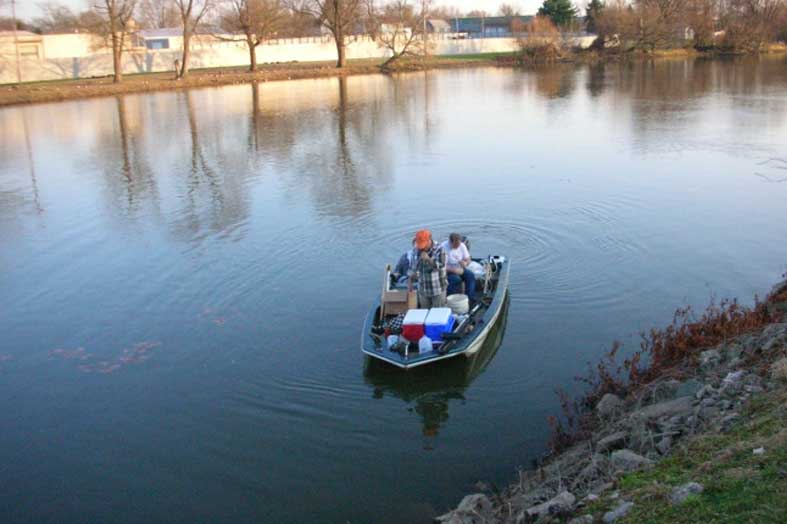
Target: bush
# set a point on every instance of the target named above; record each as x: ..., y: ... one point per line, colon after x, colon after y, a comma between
x: 541, y: 43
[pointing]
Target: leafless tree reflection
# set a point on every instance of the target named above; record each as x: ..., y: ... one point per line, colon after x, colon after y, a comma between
x: 215, y: 199
x: 124, y: 162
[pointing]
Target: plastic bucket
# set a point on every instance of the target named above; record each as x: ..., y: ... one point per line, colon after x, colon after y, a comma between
x: 458, y: 303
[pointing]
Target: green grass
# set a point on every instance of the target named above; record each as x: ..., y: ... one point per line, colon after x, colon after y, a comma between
x: 740, y: 487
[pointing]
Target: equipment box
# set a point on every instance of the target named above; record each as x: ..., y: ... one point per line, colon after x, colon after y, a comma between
x: 439, y: 321
x: 413, y: 324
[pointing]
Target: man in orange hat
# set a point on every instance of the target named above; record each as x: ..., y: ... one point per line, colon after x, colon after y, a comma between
x: 429, y: 271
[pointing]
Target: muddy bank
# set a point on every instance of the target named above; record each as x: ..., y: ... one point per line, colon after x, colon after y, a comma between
x: 56, y: 91
x: 681, y: 448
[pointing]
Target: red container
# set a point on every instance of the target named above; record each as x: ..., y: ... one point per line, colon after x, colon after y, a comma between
x: 413, y: 332
x: 413, y: 324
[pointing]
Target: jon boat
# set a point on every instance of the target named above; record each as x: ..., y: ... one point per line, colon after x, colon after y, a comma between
x: 467, y: 336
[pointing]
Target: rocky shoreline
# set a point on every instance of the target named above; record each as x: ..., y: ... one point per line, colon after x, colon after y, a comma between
x: 636, y: 433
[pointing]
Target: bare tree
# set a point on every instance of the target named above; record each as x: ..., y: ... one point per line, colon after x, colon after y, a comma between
x: 508, y: 10
x: 399, y: 27
x: 445, y: 12
x: 701, y: 16
x: 192, y: 13
x: 749, y: 24
x: 645, y: 24
x: 661, y: 23
x: 156, y: 14
x: 58, y: 18
x: 256, y: 20
x: 338, y: 16
x: 116, y: 23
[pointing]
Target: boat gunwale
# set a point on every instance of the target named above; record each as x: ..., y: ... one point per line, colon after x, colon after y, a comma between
x: 468, y: 347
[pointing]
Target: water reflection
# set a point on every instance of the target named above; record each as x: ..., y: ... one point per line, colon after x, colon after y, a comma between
x: 596, y: 78
x: 429, y: 391
x: 215, y: 198
x: 123, y: 160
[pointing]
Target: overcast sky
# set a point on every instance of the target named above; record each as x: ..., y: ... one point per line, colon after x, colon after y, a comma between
x: 28, y: 9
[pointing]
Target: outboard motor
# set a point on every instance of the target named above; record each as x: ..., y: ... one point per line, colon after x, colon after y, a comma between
x: 496, y: 262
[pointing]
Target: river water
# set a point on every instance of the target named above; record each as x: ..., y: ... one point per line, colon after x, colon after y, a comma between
x: 184, y: 276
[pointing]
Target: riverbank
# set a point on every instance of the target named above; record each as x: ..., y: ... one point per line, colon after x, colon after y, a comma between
x: 545, y: 55
x: 704, y: 441
x: 60, y: 90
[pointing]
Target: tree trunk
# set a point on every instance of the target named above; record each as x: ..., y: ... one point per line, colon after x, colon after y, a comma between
x: 117, y: 49
x: 339, y: 39
x: 117, y: 63
x: 252, y: 54
x: 184, y: 63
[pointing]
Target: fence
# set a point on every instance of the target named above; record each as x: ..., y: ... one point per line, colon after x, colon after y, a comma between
x: 83, y: 56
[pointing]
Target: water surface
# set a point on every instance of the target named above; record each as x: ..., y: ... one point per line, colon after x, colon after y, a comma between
x: 184, y: 276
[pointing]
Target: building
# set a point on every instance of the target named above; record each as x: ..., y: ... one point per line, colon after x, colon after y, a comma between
x: 165, y: 38
x: 438, y: 25
x: 29, y: 45
x: 489, y: 26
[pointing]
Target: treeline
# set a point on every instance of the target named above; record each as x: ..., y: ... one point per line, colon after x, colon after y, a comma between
x: 400, y: 25
x: 726, y: 25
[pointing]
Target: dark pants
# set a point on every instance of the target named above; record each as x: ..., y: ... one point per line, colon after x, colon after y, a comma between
x: 455, y: 283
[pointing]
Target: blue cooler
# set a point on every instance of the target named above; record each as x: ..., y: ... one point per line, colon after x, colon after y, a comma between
x: 439, y: 320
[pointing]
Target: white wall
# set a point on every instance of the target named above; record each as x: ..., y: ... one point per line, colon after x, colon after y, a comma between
x: 81, y: 56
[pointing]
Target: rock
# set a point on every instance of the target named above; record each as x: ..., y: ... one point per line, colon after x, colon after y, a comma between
x: 708, y: 402
x: 665, y: 390
x: 626, y: 460
x: 709, y: 413
x: 734, y: 350
x: 679, y: 406
x: 734, y: 378
x: 584, y: 519
x: 664, y: 445
x: 758, y: 451
x: 773, y: 337
x: 779, y: 370
x: 725, y: 405
x: 609, y: 405
x: 729, y: 421
x: 709, y: 359
x: 591, y: 497
x: 597, y: 470
x: 474, y: 509
x: 613, y: 441
x: 706, y: 391
x: 681, y: 493
x: 689, y: 388
x: 561, y: 504
x: 618, y: 512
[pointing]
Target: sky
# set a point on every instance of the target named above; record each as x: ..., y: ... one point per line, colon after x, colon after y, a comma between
x: 27, y: 9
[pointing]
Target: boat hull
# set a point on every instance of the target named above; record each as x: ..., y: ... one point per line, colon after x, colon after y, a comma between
x: 375, y: 347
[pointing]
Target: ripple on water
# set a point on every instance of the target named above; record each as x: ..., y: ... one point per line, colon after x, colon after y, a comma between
x: 550, y: 262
